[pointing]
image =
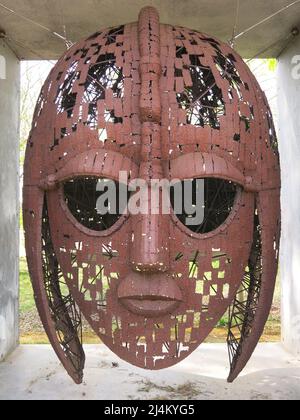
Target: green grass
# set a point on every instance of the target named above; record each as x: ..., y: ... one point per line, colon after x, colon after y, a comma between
x: 26, y: 293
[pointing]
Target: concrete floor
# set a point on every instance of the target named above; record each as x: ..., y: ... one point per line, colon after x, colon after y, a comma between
x: 33, y: 372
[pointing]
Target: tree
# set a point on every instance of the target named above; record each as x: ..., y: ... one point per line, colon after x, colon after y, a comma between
x: 33, y: 76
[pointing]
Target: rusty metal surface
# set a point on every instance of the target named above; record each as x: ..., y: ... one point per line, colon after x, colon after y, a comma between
x: 158, y: 102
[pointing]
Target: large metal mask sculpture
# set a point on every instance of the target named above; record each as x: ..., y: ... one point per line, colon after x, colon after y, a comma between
x: 155, y: 102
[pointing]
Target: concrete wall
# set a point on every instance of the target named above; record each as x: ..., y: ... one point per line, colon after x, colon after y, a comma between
x: 289, y: 135
x: 9, y: 200
x: 82, y: 18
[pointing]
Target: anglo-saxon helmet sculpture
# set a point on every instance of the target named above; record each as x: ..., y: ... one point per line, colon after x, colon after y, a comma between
x: 152, y: 102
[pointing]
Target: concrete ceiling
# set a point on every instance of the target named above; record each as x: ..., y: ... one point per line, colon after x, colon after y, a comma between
x: 83, y: 17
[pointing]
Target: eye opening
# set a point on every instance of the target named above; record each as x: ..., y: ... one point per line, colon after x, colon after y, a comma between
x: 81, y: 197
x: 220, y: 198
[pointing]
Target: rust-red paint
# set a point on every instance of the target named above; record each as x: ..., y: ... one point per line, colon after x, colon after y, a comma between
x: 159, y: 102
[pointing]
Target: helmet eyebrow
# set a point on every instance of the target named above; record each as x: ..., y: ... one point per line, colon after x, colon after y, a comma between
x: 203, y: 165
x: 100, y: 163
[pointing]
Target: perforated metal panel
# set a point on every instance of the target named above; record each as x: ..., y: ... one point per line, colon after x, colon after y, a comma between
x: 158, y: 102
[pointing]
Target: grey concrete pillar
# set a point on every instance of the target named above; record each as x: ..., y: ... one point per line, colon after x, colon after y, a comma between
x: 9, y: 198
x: 289, y: 136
